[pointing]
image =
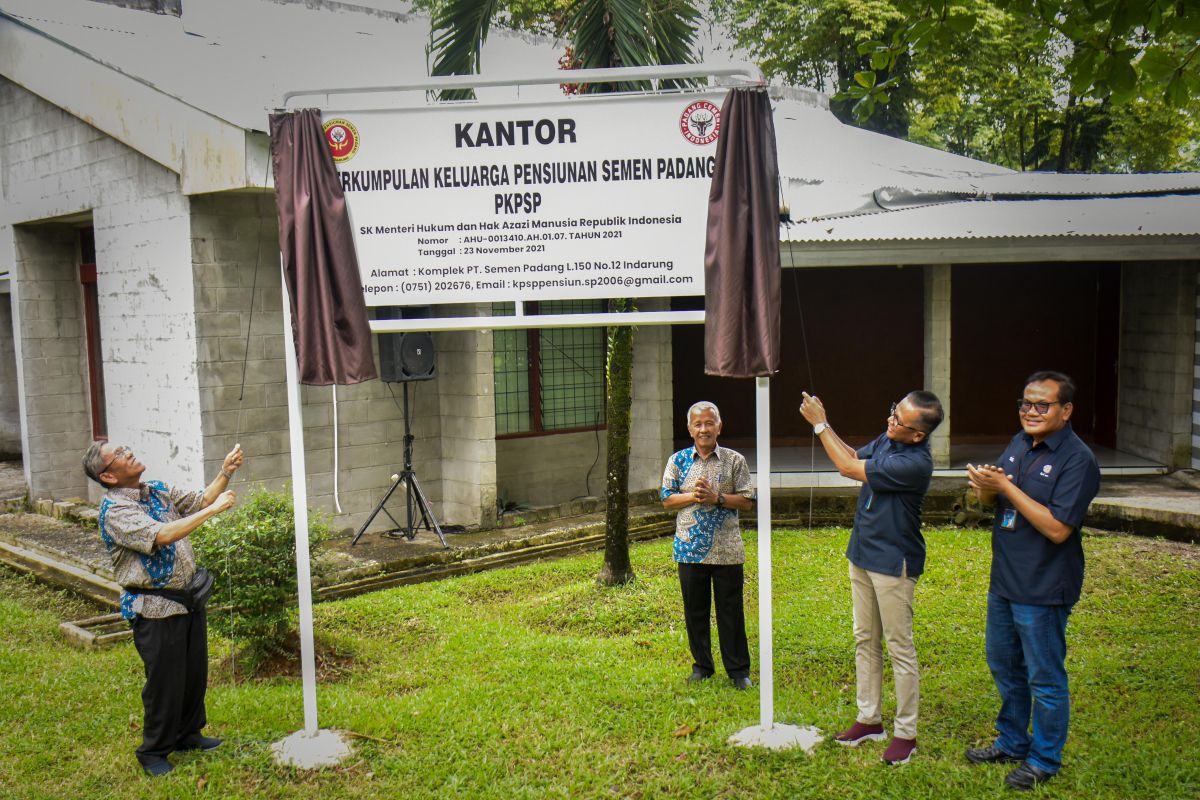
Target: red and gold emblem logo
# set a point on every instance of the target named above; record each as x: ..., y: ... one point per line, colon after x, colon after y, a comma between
x: 342, y: 138
x: 700, y: 123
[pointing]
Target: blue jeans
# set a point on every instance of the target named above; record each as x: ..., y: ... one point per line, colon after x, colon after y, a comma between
x: 1026, y: 652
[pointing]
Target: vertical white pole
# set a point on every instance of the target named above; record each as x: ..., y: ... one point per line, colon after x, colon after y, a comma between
x: 300, y: 504
x: 766, y: 686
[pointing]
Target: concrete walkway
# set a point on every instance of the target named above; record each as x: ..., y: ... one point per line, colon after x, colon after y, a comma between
x: 1163, y: 505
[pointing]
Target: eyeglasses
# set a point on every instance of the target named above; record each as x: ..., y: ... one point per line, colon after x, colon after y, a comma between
x: 1025, y: 405
x: 120, y: 452
x: 892, y: 416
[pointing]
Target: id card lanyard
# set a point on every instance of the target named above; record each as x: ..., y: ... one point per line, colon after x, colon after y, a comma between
x: 1008, y: 517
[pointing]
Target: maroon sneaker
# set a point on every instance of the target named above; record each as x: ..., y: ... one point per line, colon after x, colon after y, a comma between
x: 899, y: 751
x: 860, y: 732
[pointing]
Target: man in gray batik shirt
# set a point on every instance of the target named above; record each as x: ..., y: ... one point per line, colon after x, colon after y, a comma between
x: 144, y: 526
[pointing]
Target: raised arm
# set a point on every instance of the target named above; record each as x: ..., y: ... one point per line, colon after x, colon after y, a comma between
x: 178, y: 529
x: 233, y: 462
x: 843, y: 456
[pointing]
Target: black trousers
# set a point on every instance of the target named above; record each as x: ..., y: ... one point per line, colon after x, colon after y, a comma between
x: 174, y: 651
x: 701, y: 584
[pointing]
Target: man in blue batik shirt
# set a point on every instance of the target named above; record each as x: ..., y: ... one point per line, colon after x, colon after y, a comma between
x: 886, y: 555
x: 1042, y: 488
x: 145, y: 526
x: 707, y: 485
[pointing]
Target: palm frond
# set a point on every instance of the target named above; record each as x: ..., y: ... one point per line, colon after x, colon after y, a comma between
x: 459, y: 29
x: 673, y: 28
x: 612, y: 33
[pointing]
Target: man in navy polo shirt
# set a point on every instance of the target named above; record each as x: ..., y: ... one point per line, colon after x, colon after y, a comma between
x: 887, y: 555
x: 1042, y: 488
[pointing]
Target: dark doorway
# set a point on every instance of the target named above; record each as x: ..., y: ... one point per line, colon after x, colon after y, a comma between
x: 1009, y: 320
x: 853, y: 336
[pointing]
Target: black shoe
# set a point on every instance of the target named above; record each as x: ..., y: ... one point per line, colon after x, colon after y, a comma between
x: 156, y: 767
x: 198, y: 742
x: 1027, y: 776
x: 990, y: 755
x: 698, y: 676
x: 743, y: 682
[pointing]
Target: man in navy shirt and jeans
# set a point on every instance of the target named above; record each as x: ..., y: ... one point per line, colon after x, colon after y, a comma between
x: 887, y: 555
x: 1042, y: 488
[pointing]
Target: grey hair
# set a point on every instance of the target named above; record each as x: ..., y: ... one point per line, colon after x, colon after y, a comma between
x: 93, y: 462
x: 703, y: 405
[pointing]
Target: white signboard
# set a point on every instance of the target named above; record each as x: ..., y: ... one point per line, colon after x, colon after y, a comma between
x: 587, y: 198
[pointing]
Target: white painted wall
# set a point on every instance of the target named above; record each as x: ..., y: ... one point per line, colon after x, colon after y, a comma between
x: 148, y: 327
x: 57, y: 168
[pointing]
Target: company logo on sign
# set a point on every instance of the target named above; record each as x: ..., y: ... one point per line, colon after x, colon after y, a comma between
x: 342, y: 138
x: 700, y: 122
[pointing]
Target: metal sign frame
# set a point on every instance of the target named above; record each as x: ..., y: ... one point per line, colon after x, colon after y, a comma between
x: 750, y: 76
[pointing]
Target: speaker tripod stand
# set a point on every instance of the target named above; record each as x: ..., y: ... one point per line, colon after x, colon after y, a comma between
x: 414, y: 499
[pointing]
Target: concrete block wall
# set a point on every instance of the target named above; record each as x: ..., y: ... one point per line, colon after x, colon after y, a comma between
x: 53, y: 165
x: 1157, y: 360
x: 233, y: 237
x: 651, y: 430
x: 48, y: 315
x: 10, y: 409
x: 1196, y: 383
x: 466, y: 394
x: 937, y: 353
x: 545, y: 470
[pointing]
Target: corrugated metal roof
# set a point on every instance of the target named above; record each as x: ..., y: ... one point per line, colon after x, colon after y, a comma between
x: 828, y: 168
x: 844, y: 184
x: 1174, y: 215
x: 1059, y: 184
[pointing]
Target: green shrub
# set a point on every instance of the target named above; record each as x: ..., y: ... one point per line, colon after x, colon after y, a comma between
x: 251, y: 552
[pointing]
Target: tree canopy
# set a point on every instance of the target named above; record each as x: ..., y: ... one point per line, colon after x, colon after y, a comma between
x: 1067, y: 86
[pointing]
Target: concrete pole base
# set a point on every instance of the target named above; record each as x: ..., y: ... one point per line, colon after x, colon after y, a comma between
x: 778, y: 737
x: 325, y: 748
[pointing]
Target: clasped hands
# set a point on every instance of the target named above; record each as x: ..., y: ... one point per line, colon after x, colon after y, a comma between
x: 704, y: 493
x: 988, y: 478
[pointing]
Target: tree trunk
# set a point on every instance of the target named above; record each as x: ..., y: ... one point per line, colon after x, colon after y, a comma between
x: 616, y: 568
x: 1067, y: 144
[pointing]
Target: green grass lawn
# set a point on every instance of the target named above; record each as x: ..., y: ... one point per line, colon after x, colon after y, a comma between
x: 534, y: 682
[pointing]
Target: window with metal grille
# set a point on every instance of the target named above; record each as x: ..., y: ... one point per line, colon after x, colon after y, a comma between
x: 552, y: 380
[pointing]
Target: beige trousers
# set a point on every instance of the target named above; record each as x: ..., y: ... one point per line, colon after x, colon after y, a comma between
x: 883, y: 611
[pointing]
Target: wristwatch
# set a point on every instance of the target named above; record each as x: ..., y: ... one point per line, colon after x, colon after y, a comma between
x: 820, y: 428
x: 720, y: 500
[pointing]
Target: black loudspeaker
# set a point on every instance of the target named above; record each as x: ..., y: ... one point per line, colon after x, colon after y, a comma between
x: 406, y: 357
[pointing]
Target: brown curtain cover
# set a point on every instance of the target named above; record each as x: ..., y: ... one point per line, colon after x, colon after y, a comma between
x: 741, y: 256
x: 329, y: 315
